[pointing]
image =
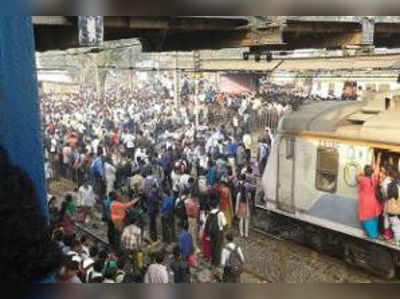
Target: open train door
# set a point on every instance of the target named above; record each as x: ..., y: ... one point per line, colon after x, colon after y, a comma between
x: 286, y: 174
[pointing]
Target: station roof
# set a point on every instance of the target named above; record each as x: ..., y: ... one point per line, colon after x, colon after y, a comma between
x: 322, y: 117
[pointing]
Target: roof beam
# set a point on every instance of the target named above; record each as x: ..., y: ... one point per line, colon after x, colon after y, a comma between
x: 186, y: 41
x: 174, y: 23
x: 321, y: 27
x: 53, y: 20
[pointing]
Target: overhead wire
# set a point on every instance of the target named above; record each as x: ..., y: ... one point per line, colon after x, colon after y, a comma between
x: 191, y: 69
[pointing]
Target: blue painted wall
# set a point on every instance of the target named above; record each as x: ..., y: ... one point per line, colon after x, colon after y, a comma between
x: 19, y: 104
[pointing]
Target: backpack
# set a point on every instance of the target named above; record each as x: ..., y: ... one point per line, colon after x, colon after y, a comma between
x: 192, y: 210
x: 234, y: 262
x: 264, y: 151
x: 212, y: 227
x: 180, y: 208
x: 215, y: 152
x: 149, y: 184
x: 203, y: 188
x: 220, y: 170
x: 96, y: 167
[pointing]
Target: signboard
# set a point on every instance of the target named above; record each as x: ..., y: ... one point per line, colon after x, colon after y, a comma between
x: 91, y: 31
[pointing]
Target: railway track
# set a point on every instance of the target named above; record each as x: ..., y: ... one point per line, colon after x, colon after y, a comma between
x: 264, y: 244
x: 98, y: 239
x: 259, y: 239
x: 92, y: 235
x: 329, y: 262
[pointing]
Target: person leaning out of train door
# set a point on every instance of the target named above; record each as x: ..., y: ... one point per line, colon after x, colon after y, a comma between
x: 392, y: 207
x: 388, y: 191
x: 369, y: 209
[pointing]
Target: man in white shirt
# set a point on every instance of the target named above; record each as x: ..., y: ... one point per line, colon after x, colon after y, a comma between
x: 130, y: 145
x: 157, y: 273
x: 86, y: 200
x: 203, y: 159
x: 247, y: 141
x: 176, y: 178
x: 48, y: 172
x: 110, y: 175
x: 53, y: 145
x: 232, y: 261
x: 67, y: 151
x: 257, y: 104
x: 235, y: 122
x: 95, y: 145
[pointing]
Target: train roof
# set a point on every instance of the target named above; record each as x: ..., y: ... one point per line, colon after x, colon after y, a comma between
x: 375, y: 120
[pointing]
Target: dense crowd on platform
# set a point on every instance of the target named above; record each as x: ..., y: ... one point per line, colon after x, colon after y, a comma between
x: 138, y: 159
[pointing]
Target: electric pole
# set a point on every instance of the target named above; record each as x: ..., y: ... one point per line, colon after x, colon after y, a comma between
x: 176, y: 79
x: 197, y: 66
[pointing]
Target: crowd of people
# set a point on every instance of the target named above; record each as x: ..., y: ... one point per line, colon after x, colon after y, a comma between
x: 139, y: 160
x: 290, y: 95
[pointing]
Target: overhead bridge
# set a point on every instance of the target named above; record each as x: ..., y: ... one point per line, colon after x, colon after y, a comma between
x: 185, y: 33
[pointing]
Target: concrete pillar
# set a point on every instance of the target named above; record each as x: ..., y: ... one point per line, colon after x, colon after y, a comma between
x: 197, y: 65
x: 177, y: 75
x: 20, y: 132
x: 196, y: 103
x: 176, y: 87
x: 130, y: 77
x: 368, y: 32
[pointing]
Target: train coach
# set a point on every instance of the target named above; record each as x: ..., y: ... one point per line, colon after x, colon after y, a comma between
x: 310, y: 178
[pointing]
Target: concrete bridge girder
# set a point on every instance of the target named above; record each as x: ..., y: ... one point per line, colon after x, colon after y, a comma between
x: 186, y: 33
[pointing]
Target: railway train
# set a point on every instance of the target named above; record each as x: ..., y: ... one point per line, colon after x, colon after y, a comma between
x: 309, y: 189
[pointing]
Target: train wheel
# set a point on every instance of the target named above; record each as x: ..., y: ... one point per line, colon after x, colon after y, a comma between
x: 262, y: 219
x: 391, y: 274
x: 383, y: 262
x: 373, y: 258
x: 348, y: 255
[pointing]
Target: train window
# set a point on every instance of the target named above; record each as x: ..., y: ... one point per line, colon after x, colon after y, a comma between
x: 327, y: 169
